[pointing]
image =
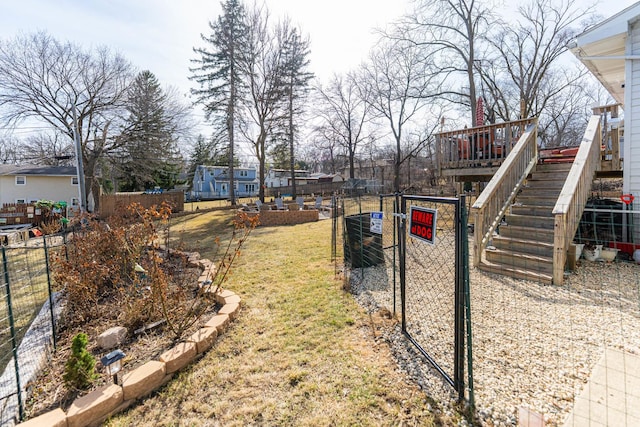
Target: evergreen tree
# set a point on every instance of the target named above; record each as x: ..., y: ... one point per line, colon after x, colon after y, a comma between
x: 219, y: 75
x: 200, y: 155
x: 295, y: 86
x: 149, y: 157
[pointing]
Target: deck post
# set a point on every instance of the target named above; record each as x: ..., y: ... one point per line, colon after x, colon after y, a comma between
x: 559, y: 251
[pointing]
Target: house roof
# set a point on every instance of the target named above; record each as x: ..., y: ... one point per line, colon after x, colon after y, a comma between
x: 601, y: 49
x: 38, y: 170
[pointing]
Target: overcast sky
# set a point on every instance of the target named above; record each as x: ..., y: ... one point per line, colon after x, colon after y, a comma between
x: 159, y: 35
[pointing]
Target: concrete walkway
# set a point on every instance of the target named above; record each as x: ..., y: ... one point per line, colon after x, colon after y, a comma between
x: 612, y: 395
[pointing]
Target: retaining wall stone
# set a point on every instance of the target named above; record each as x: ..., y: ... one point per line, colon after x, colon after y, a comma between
x: 55, y: 418
x: 204, y: 339
x: 179, y: 356
x: 95, y: 405
x: 143, y: 380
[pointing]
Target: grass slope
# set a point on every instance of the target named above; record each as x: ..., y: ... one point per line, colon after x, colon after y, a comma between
x: 301, y: 353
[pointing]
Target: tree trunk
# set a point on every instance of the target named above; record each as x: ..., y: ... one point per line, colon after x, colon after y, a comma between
x: 291, y: 151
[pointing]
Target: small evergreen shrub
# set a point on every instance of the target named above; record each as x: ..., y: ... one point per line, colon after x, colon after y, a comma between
x: 80, y: 370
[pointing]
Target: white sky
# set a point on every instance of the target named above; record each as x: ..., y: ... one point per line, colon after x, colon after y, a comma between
x: 159, y: 35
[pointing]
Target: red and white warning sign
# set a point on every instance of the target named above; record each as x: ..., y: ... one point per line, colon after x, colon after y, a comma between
x: 422, y: 224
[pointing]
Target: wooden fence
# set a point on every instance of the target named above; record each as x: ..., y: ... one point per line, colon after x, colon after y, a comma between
x: 318, y: 189
x: 110, y: 203
x: 22, y: 213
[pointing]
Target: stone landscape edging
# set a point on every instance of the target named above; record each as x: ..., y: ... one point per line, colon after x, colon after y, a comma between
x: 106, y: 401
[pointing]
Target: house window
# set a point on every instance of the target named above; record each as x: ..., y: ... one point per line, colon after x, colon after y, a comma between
x: 244, y: 173
x: 21, y: 180
x: 74, y: 180
x: 21, y: 201
x: 250, y: 188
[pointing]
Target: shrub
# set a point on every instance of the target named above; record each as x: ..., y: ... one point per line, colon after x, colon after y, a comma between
x: 100, y: 270
x: 102, y: 258
x: 80, y: 369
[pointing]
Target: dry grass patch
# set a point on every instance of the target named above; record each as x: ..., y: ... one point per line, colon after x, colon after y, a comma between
x: 301, y: 352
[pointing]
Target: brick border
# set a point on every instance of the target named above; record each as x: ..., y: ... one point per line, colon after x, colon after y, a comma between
x: 98, y: 405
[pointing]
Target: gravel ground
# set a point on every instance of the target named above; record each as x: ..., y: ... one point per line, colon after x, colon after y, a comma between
x: 533, y: 345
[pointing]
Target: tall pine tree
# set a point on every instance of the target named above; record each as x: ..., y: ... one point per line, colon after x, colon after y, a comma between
x: 149, y: 156
x: 295, y: 85
x: 219, y: 75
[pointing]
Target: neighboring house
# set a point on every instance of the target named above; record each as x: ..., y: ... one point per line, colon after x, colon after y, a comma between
x: 611, y: 51
x: 282, y: 178
x: 212, y: 182
x: 26, y: 184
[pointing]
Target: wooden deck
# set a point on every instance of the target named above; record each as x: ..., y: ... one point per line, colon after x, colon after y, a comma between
x: 475, y: 154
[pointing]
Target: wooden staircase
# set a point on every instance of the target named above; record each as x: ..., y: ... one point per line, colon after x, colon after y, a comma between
x: 524, y: 242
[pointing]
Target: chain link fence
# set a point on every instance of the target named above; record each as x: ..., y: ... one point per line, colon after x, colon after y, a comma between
x: 432, y: 257
x: 371, y: 266
x: 564, y: 355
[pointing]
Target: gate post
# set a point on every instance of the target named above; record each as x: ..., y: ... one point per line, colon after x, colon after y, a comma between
x: 402, y: 240
x: 459, y: 323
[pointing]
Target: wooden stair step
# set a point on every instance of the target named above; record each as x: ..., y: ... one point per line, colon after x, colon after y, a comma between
x: 529, y: 262
x: 548, y: 176
x: 520, y: 232
x: 518, y: 273
x: 532, y: 221
x: 538, y: 198
x: 533, y: 247
x: 532, y: 209
x: 553, y: 167
x: 544, y: 183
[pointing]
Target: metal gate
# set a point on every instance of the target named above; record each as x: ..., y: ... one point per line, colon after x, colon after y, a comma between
x: 433, y: 259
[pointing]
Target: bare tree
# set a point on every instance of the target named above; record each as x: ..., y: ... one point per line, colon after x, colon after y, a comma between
x: 399, y: 82
x: 44, y: 79
x: 565, y: 118
x: 294, y: 81
x: 324, y: 152
x: 451, y: 31
x: 10, y: 150
x: 343, y: 113
x: 52, y: 149
x: 522, y: 70
x: 262, y: 64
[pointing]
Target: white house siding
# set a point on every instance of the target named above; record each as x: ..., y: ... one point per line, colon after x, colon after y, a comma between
x: 55, y: 188
x: 631, y: 182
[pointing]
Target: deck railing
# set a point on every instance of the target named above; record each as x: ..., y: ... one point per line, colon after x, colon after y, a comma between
x: 493, y: 202
x: 471, y: 147
x: 573, y: 197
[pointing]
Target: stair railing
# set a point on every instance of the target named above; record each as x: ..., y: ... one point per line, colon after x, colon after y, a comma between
x: 500, y: 192
x: 573, y: 197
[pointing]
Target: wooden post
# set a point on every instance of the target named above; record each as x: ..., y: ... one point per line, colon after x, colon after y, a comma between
x: 615, y: 141
x: 478, y: 231
x: 559, y: 251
